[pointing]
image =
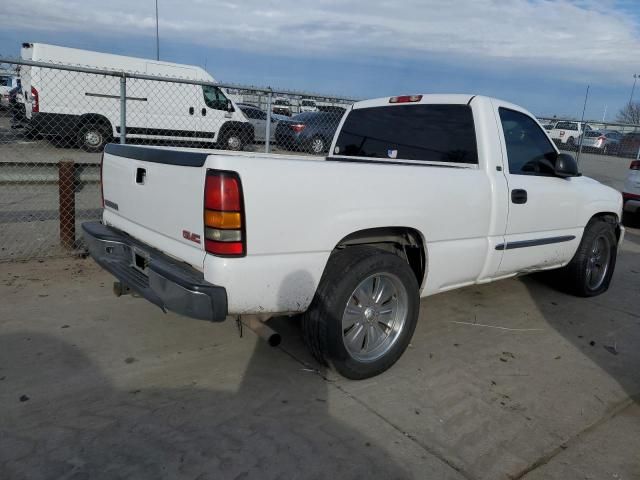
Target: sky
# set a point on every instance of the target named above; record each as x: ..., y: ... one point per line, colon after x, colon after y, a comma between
x: 540, y: 54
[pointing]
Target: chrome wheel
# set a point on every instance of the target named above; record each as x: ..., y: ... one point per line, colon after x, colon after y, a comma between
x: 374, y: 317
x: 598, y: 262
x: 234, y: 143
x: 317, y: 145
x: 92, y: 138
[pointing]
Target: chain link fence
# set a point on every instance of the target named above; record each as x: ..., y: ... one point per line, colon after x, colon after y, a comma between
x: 605, y: 138
x: 56, y: 119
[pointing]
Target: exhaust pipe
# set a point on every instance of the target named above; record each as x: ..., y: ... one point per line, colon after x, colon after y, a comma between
x: 120, y: 289
x: 261, y: 329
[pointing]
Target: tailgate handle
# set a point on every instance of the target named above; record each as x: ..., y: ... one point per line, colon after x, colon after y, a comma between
x: 141, y: 175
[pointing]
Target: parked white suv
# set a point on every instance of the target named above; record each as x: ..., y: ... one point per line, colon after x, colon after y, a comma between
x: 308, y: 105
x: 631, y: 191
x: 568, y: 132
x: 405, y: 206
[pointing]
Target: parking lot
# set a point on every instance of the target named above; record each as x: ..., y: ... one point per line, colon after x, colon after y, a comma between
x: 508, y: 380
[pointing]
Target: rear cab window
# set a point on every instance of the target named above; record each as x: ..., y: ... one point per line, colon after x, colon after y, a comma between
x: 440, y: 133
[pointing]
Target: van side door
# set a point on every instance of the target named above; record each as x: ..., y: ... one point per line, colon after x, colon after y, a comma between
x: 542, y: 229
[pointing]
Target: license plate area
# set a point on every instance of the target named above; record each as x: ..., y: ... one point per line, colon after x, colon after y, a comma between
x: 140, y: 260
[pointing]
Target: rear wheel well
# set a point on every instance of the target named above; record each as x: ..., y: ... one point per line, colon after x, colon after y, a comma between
x: 405, y: 242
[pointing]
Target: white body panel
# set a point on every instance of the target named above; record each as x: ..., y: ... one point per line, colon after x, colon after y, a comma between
x: 298, y: 209
x: 155, y: 110
x: 632, y: 188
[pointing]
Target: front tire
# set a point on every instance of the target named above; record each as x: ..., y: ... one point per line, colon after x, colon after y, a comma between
x: 364, y: 312
x: 232, y: 141
x: 92, y: 138
x: 589, y: 272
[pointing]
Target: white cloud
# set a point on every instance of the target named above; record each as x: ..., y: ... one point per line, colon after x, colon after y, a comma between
x: 585, y: 36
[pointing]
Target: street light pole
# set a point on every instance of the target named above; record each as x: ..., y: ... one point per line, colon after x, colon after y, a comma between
x: 158, y: 36
x: 635, y: 79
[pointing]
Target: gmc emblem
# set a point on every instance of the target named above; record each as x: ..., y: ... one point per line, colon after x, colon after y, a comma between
x: 194, y: 237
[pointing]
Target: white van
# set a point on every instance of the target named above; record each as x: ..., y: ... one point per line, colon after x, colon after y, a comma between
x: 86, y: 107
x: 8, y: 81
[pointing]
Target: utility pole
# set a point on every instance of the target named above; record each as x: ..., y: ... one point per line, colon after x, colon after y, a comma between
x: 635, y: 78
x: 157, y: 34
x: 584, y: 130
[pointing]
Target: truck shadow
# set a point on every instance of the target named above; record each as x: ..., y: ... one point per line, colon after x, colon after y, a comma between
x: 75, y: 424
x: 605, y: 329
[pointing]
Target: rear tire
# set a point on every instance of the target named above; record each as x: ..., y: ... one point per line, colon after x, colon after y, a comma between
x: 589, y: 272
x: 364, y: 312
x: 317, y: 145
x: 93, y: 137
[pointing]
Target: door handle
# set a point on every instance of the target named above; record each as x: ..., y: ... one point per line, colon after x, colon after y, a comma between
x: 518, y: 195
x: 141, y: 176
x: 191, y: 110
x: 204, y: 112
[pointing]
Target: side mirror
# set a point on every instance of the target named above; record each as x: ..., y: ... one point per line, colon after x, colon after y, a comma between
x: 566, y: 166
x: 230, y: 106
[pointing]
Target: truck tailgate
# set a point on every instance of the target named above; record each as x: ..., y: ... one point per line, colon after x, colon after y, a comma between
x: 156, y: 195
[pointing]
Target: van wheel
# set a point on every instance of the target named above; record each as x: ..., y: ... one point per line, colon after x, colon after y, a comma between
x: 317, y: 145
x: 93, y: 138
x: 232, y: 141
x: 589, y: 272
x: 364, y: 312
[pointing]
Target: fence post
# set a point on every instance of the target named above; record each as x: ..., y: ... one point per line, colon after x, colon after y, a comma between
x: 67, y: 199
x: 267, y: 141
x: 123, y: 109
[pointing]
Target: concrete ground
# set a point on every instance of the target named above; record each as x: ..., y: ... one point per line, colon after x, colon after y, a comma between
x: 511, y: 380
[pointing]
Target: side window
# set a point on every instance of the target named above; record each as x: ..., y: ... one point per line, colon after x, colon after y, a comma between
x: 528, y: 149
x: 250, y: 113
x: 214, y: 98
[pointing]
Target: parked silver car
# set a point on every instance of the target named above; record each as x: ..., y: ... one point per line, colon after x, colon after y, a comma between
x: 258, y: 118
x: 604, y: 141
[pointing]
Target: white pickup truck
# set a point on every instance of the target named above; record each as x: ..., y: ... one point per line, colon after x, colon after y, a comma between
x: 420, y: 194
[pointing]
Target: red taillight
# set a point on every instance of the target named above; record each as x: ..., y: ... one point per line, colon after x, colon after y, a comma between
x: 405, y: 99
x: 224, y: 230
x: 35, y: 100
x: 101, y: 180
x: 297, y: 127
x: 635, y: 165
x: 222, y: 192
